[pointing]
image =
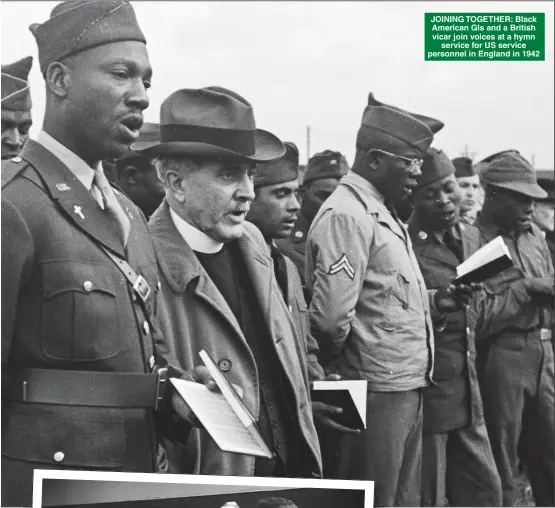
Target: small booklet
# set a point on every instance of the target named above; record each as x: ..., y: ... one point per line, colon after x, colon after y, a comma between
x: 350, y: 395
x: 224, y: 415
x: 491, y: 259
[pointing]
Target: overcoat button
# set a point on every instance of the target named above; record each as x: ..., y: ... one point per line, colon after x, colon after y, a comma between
x: 225, y: 364
x: 59, y: 456
x: 87, y: 285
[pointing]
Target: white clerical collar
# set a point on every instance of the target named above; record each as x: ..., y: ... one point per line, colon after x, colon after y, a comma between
x: 82, y: 171
x: 197, y: 240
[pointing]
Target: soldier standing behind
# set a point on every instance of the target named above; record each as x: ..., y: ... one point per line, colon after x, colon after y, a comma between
x: 370, y: 311
x: 457, y: 461
x: 16, y: 106
x: 322, y: 174
x: 515, y: 360
x: 80, y: 361
x: 469, y: 183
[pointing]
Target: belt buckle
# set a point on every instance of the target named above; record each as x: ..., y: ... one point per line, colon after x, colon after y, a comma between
x: 142, y: 288
x: 161, y: 385
x: 545, y: 334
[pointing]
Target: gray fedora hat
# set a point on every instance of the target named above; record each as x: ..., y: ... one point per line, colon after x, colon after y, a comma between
x: 211, y: 121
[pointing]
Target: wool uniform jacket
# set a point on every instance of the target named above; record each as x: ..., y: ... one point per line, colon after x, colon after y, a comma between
x: 194, y: 315
x: 66, y: 306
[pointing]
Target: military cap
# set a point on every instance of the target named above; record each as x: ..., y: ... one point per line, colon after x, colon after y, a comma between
x: 435, y: 167
x: 392, y: 129
x: 16, y: 94
x: 281, y: 170
x: 326, y: 164
x: 509, y: 170
x: 77, y: 25
x: 546, y: 182
x: 149, y: 132
x: 463, y: 167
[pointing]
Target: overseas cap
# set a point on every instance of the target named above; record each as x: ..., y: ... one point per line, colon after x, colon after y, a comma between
x: 393, y: 129
x: 16, y: 94
x: 281, y: 170
x: 509, y: 170
x: 463, y: 167
x: 436, y: 166
x: 78, y: 25
x: 326, y: 164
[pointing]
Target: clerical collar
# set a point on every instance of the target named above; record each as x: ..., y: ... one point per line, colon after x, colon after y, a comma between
x: 195, y: 238
x: 82, y: 171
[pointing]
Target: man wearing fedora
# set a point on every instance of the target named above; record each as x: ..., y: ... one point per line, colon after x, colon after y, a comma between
x: 370, y: 311
x: 136, y: 175
x: 16, y: 106
x: 515, y: 363
x: 83, y: 371
x: 218, y: 287
x: 457, y: 461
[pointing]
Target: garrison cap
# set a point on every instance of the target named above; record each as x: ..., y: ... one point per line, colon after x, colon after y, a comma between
x: 326, y: 164
x: 150, y: 132
x: 435, y: 167
x: 393, y: 129
x: 281, y: 170
x: 78, y: 25
x: 463, y: 167
x: 16, y: 94
x: 510, y: 170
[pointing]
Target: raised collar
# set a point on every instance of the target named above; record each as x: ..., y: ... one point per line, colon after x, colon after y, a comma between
x: 366, y: 190
x: 490, y: 230
x: 197, y: 240
x: 82, y: 171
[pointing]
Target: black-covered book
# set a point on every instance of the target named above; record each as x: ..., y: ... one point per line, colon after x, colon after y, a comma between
x: 491, y: 259
x: 349, y: 395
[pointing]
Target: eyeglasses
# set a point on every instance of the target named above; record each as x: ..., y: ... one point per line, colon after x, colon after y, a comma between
x: 413, y: 163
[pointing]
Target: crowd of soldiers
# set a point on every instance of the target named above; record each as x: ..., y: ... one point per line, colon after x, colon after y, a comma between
x: 347, y: 274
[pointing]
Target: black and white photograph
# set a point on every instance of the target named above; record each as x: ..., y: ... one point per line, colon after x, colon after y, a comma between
x: 280, y: 240
x: 125, y: 490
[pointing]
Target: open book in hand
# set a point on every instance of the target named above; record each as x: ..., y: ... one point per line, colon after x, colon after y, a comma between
x: 223, y: 414
x: 349, y: 395
x: 491, y: 259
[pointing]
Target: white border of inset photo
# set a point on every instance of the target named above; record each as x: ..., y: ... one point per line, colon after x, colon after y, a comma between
x: 239, y: 481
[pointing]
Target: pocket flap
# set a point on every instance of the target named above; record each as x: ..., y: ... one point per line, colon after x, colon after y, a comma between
x: 61, y: 276
x: 64, y: 441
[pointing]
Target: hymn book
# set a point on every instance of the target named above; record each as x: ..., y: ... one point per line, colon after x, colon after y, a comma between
x: 491, y: 259
x: 349, y: 395
x: 223, y: 414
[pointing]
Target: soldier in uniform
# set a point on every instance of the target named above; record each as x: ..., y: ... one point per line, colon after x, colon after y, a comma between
x: 136, y: 175
x: 16, y: 106
x: 322, y: 174
x: 219, y: 290
x: 515, y: 359
x: 545, y: 210
x: 457, y: 461
x: 370, y: 311
x: 469, y: 183
x: 83, y: 370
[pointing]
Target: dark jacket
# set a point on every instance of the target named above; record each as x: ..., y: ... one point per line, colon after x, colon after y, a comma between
x: 66, y: 306
x: 454, y: 401
x: 294, y: 246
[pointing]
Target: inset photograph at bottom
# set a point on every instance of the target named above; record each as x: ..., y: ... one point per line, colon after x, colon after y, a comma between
x: 62, y: 489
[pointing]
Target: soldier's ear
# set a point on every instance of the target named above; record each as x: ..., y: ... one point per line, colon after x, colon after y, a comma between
x: 372, y: 160
x: 58, y: 79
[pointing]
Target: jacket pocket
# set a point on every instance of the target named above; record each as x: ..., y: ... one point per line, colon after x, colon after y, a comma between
x: 79, y: 315
x: 64, y: 442
x: 396, y: 300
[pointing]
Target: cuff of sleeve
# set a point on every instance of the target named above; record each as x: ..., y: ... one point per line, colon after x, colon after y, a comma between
x: 439, y: 319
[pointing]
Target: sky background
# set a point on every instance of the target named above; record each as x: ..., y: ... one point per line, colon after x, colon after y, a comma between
x: 314, y: 63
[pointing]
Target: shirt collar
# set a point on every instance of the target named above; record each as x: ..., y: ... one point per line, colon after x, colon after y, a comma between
x: 82, y: 171
x: 367, y: 189
x: 195, y: 238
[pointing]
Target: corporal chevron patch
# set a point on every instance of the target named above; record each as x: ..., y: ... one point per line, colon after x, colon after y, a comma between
x: 341, y: 264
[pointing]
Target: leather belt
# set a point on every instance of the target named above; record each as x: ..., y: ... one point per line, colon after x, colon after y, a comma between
x: 85, y: 388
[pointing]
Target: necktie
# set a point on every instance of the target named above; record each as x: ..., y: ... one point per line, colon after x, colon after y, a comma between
x: 454, y: 244
x: 104, y: 194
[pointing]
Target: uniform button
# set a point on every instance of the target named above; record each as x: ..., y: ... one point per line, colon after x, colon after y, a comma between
x: 159, y: 285
x: 298, y: 234
x: 225, y: 364
x: 59, y: 456
x: 87, y: 285
x: 290, y: 308
x: 146, y: 328
x: 467, y: 330
x: 151, y: 362
x: 16, y: 159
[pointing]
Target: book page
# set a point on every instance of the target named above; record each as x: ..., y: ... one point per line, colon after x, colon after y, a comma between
x: 218, y: 418
x: 489, y: 252
x: 356, y: 388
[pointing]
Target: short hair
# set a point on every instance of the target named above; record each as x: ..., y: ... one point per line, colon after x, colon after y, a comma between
x: 275, y: 502
x: 180, y: 164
